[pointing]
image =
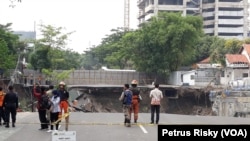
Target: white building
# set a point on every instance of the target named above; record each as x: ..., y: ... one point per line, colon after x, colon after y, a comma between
x: 223, y: 18
x: 237, y: 66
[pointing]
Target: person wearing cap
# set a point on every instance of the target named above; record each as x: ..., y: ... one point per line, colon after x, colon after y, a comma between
x: 135, y: 100
x: 64, y: 104
x: 54, y: 110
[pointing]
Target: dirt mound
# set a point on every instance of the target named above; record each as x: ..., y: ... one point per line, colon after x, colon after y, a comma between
x: 189, y: 101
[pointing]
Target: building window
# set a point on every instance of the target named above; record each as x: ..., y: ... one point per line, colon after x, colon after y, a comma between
x: 192, y: 77
x: 245, y: 75
x: 223, y: 74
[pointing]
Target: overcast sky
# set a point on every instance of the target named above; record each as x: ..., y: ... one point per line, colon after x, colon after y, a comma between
x: 90, y: 19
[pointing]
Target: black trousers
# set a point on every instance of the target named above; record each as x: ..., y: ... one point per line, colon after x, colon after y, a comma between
x: 53, y: 118
x: 2, y: 115
x: 155, y: 109
x: 10, y: 110
x: 43, y: 120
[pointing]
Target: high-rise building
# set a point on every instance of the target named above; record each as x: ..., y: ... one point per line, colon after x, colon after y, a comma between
x: 223, y: 18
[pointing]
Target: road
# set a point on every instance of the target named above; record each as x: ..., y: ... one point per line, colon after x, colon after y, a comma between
x: 105, y: 126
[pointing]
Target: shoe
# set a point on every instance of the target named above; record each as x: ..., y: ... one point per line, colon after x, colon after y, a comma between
x: 13, y: 125
x: 135, y: 121
x: 129, y: 124
x: 43, y: 129
x: 7, y: 126
x: 49, y: 131
x: 151, y: 122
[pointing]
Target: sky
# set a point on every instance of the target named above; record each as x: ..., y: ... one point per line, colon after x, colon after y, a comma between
x: 91, y: 20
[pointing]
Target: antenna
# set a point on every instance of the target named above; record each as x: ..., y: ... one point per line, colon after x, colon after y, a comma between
x: 126, y: 14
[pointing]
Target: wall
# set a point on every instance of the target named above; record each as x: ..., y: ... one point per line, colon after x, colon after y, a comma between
x: 85, y: 77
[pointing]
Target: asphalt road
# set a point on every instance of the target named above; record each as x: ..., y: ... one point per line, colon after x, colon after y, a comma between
x: 105, y: 126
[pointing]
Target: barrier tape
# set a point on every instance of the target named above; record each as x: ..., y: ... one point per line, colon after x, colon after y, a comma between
x: 61, y: 118
x: 65, y: 115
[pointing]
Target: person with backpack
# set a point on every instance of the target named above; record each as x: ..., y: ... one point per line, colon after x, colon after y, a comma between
x: 2, y: 112
x: 42, y: 99
x: 11, y: 106
x: 126, y: 98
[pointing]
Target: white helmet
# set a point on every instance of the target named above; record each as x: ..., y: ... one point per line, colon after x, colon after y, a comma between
x: 61, y: 83
x: 134, y: 82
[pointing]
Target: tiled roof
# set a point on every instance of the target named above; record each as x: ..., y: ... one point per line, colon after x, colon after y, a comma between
x: 236, y: 58
x: 245, y: 47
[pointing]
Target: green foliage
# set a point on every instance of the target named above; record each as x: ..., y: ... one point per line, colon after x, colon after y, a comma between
x: 51, y: 52
x: 10, y: 38
x: 7, y: 60
x: 232, y: 46
x: 166, y: 43
x: 61, y: 76
x: 56, y: 76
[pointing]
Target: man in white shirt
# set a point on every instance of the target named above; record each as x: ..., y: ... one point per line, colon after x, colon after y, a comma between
x: 156, y: 96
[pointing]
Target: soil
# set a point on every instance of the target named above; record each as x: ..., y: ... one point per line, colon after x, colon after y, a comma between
x: 188, y: 100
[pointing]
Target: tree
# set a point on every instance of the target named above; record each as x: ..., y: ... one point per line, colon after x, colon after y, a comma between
x: 108, y: 53
x: 165, y: 43
x: 7, y: 60
x: 10, y: 38
x: 233, y: 46
x: 49, y: 50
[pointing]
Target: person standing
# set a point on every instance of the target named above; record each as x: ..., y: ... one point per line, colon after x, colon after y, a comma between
x: 54, y: 110
x: 2, y: 113
x: 126, y: 98
x: 50, y: 95
x: 156, y: 96
x: 41, y: 111
x: 11, y: 106
x: 135, y: 100
x: 64, y: 104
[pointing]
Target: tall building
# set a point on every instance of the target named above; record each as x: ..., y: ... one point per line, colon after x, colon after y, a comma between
x: 223, y: 18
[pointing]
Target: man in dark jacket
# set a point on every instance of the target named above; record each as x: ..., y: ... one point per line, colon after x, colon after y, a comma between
x: 10, y: 105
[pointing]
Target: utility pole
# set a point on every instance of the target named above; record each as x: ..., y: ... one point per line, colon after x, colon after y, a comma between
x: 126, y: 14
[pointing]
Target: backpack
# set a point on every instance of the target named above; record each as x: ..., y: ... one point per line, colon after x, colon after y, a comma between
x: 45, y: 102
x: 127, y: 100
